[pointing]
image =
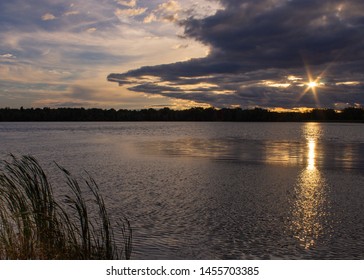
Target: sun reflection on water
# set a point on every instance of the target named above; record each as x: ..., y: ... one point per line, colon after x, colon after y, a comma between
x: 308, y: 211
x: 311, y: 154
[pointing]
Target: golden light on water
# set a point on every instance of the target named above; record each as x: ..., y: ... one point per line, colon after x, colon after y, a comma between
x: 310, y: 195
x: 311, y: 154
x: 307, y: 212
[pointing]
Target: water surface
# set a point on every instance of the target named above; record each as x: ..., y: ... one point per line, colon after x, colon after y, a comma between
x: 217, y: 190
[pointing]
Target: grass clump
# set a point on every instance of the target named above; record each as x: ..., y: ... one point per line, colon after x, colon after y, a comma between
x: 36, y: 225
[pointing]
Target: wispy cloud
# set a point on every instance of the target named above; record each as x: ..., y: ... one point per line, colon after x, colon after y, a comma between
x: 130, y: 3
x: 49, y: 53
x: 7, y: 55
x: 70, y: 13
x: 91, y: 29
x: 48, y: 16
x: 130, y: 12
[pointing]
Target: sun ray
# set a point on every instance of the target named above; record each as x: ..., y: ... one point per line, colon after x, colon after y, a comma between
x: 313, y: 84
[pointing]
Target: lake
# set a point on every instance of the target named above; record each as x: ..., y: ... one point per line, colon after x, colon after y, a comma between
x: 217, y: 190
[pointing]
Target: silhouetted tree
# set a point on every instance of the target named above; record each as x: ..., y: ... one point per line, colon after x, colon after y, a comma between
x: 167, y: 114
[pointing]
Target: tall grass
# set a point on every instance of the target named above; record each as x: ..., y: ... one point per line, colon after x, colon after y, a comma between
x: 36, y: 225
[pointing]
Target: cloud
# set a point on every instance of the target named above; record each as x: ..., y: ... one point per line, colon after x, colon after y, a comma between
x: 7, y: 55
x: 70, y: 13
x: 180, y: 46
x: 130, y: 3
x: 171, y: 6
x: 252, y: 42
x: 58, y: 60
x: 68, y: 104
x: 48, y: 16
x: 91, y: 29
x: 130, y: 12
x: 176, y: 11
x: 169, y: 11
x: 82, y: 93
x: 150, y: 18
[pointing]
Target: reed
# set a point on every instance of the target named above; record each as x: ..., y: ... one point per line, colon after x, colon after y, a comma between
x: 36, y: 225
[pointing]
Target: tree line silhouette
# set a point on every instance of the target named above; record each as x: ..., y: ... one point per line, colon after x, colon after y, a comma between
x: 166, y: 114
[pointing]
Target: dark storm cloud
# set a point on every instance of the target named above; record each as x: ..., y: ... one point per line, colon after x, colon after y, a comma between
x: 264, y: 35
x: 252, y: 42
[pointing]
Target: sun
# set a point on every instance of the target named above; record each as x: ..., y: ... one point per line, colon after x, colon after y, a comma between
x: 312, y: 84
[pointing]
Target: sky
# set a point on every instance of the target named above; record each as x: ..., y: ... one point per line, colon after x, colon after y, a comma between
x: 135, y: 54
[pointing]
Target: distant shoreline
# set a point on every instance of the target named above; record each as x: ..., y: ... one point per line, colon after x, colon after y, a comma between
x: 197, y: 114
